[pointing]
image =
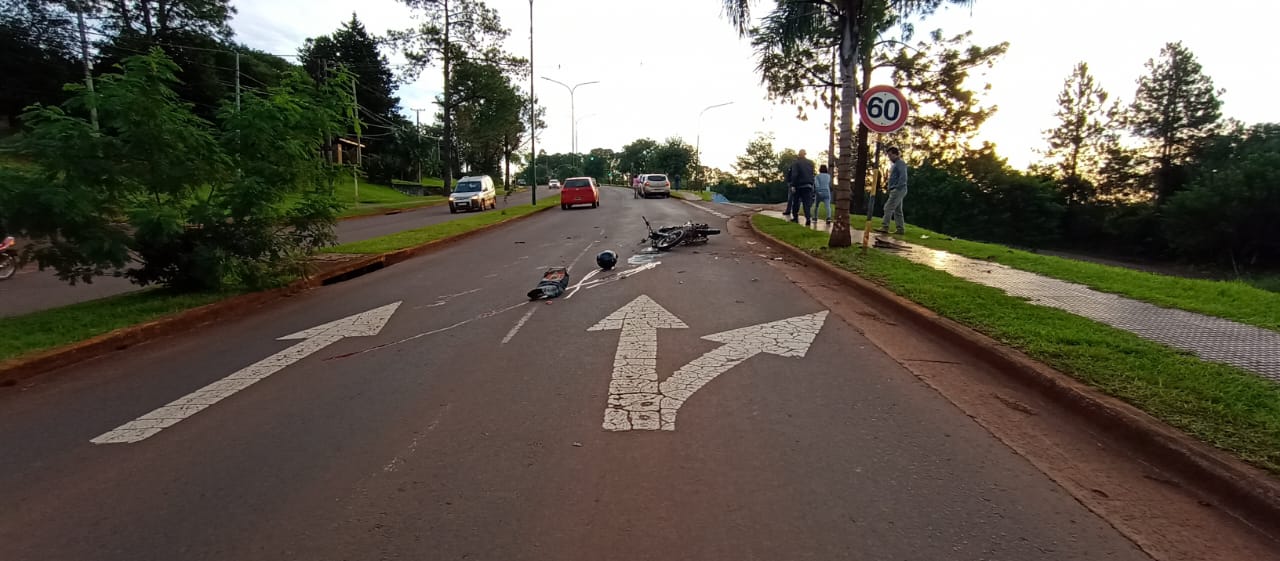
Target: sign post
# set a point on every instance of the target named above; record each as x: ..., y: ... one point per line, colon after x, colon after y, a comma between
x: 883, y: 109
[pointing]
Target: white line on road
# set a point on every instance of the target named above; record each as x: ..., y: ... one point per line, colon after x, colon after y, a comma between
x: 511, y: 334
x: 485, y: 315
x: 705, y: 209
x: 633, y: 390
x: 585, y: 278
x: 359, y: 325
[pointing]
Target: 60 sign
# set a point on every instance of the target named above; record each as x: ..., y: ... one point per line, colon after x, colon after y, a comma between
x: 883, y: 109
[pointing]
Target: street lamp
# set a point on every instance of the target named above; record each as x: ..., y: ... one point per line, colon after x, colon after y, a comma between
x: 573, y: 129
x: 698, y: 148
x: 533, y: 118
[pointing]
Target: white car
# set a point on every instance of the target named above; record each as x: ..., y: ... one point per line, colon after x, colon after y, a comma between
x: 473, y: 193
x: 553, y: 184
x: 654, y: 184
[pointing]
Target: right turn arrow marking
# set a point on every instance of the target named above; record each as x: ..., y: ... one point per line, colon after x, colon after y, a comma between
x: 790, y: 337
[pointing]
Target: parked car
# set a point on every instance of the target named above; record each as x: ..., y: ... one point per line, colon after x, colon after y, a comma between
x: 655, y: 184
x: 580, y: 191
x: 553, y: 184
x: 473, y: 193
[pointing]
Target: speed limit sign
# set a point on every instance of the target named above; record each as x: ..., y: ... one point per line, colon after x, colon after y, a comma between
x: 883, y: 109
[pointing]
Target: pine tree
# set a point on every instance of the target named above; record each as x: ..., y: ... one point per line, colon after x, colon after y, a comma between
x: 1077, y: 144
x: 1178, y: 111
x: 352, y: 46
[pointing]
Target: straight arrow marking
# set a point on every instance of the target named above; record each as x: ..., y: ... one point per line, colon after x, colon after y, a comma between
x: 359, y: 325
x: 633, y: 398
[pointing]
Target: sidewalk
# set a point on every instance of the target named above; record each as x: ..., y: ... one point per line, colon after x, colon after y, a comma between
x: 1213, y: 339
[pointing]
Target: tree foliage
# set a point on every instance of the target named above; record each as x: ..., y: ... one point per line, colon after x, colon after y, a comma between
x: 1228, y: 212
x: 353, y: 47
x: 1077, y: 145
x: 163, y: 196
x: 1176, y: 108
x: 451, y: 31
x: 39, y: 54
x: 759, y: 164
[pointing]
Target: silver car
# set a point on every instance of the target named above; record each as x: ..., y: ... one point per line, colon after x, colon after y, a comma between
x: 655, y: 184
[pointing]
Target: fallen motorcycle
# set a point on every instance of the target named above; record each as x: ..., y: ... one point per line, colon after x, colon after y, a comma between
x: 8, y: 258
x: 689, y: 233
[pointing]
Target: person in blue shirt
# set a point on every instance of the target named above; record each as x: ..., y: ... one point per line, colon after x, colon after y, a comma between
x: 822, y: 187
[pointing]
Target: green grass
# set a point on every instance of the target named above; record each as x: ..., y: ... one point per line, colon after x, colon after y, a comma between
x: 1227, y: 407
x: 1234, y: 300
x: 411, y: 238
x: 48, y: 329
x: 375, y: 198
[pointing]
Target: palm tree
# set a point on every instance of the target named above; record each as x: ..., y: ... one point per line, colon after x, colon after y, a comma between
x: 851, y: 18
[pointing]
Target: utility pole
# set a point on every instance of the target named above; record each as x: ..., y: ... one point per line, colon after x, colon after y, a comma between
x: 237, y: 81
x: 88, y: 66
x: 533, y: 117
x: 355, y: 110
x: 417, y: 123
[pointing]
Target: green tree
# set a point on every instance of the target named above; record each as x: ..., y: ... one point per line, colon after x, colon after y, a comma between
x: 601, y: 164
x: 1077, y: 144
x: 637, y: 157
x: 759, y: 164
x: 1176, y: 108
x: 39, y: 54
x: 1228, y: 212
x: 155, y: 20
x: 856, y: 23
x: 673, y: 158
x: 352, y: 46
x: 163, y: 196
x: 452, y: 31
x: 946, y: 111
x: 488, y: 110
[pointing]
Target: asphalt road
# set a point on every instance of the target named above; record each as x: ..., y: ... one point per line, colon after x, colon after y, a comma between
x: 32, y: 290
x: 471, y: 425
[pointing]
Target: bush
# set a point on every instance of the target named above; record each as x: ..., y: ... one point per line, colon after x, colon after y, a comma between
x: 164, y: 197
x: 1229, y: 213
x: 767, y: 193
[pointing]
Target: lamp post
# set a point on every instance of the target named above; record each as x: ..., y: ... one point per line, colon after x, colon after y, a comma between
x: 698, y: 147
x: 573, y: 125
x: 533, y: 118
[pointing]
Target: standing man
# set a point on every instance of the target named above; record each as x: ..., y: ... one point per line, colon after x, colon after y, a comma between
x: 800, y: 178
x: 897, y: 192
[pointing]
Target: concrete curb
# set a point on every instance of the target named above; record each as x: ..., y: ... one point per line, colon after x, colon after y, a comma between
x: 1249, y: 493
x: 47, y: 361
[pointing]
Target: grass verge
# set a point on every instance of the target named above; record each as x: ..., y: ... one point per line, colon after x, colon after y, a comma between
x: 375, y: 198
x: 48, y: 329
x: 411, y: 238
x: 1234, y: 300
x: 1221, y: 405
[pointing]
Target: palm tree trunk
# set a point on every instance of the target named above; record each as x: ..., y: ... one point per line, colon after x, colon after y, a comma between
x: 840, y: 234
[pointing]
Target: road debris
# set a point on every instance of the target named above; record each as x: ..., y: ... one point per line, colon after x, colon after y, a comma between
x: 553, y: 283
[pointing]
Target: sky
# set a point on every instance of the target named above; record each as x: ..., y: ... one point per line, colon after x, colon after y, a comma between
x: 660, y: 63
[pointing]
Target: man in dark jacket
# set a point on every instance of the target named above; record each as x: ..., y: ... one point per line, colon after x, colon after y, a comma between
x: 800, y: 180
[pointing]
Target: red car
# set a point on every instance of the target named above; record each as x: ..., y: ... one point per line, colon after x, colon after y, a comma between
x: 579, y: 191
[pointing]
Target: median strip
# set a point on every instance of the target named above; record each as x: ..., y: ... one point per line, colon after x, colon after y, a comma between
x: 40, y: 342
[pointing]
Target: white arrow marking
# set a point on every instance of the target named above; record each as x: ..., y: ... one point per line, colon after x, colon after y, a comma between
x: 359, y: 325
x: 790, y: 337
x: 633, y: 391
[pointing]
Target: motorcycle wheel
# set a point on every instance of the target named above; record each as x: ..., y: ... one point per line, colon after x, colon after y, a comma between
x: 669, y: 239
x: 8, y: 266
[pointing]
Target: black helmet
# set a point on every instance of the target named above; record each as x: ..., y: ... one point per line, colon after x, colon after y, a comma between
x: 607, y: 259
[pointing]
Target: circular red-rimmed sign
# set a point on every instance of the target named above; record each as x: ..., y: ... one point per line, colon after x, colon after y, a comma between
x: 883, y: 109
